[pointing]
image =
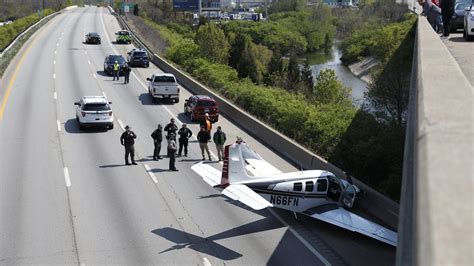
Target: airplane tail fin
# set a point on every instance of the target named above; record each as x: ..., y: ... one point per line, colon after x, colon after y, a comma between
x: 233, y: 169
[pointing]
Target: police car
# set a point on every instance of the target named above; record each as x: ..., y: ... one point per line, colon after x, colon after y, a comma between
x: 123, y: 36
x: 94, y: 111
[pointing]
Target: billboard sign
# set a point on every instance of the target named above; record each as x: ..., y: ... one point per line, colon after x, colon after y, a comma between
x: 185, y: 5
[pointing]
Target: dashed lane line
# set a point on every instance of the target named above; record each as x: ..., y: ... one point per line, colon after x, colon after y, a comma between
x: 58, y: 123
x: 150, y: 173
x: 66, y: 177
x: 55, y: 95
x: 121, y: 124
x: 54, y: 76
x: 206, y: 262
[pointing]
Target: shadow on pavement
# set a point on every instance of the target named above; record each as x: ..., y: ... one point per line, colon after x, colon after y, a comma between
x: 145, y: 99
x: 197, y: 243
x: 112, y: 165
x: 72, y: 126
x: 457, y: 39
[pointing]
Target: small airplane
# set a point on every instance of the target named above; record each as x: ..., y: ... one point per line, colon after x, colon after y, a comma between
x: 319, y: 194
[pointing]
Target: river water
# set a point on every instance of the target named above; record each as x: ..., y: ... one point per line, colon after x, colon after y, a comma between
x: 331, y: 60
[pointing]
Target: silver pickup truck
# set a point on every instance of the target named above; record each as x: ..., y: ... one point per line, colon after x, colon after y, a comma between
x: 163, y: 86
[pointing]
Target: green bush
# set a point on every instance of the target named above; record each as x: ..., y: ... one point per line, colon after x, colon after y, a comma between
x: 9, y: 32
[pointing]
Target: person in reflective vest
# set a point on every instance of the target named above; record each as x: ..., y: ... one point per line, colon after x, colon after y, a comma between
x: 206, y: 123
x: 116, y: 70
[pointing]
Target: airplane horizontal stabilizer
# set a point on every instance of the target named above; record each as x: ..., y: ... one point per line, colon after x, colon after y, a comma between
x: 211, y: 175
x: 247, y: 196
x: 343, y: 218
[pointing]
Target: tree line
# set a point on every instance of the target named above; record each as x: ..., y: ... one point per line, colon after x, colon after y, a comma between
x: 255, y: 65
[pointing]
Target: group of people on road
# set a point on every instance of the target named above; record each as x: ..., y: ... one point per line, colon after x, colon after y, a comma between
x: 126, y: 72
x: 438, y: 14
x: 176, y: 149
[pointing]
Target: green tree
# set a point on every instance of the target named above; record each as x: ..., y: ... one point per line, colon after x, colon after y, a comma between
x: 307, y: 79
x: 293, y: 77
x: 329, y: 90
x: 212, y: 43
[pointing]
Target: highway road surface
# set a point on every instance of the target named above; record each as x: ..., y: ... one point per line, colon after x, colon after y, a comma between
x: 66, y: 196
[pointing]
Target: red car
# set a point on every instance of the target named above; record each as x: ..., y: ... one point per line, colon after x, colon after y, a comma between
x: 198, y: 105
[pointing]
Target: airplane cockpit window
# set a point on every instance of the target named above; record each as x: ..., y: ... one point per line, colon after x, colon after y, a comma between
x: 309, y: 186
x: 297, y: 186
x: 321, y: 185
x: 334, y: 190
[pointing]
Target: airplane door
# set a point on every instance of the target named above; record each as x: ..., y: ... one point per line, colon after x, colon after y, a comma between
x: 348, y: 197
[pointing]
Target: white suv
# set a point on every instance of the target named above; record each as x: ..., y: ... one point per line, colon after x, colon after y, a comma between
x: 468, y: 31
x: 94, y: 111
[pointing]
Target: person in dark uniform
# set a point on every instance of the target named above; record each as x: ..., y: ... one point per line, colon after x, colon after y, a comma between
x: 126, y: 72
x: 172, y: 147
x: 447, y: 10
x: 203, y: 138
x: 171, y: 128
x: 184, y: 135
x: 157, y: 136
x: 128, y: 140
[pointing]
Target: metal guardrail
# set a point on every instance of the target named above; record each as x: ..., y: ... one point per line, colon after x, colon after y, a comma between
x: 372, y: 201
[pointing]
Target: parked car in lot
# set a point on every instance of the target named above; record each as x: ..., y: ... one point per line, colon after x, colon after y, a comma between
x: 110, y: 61
x: 198, y: 105
x: 93, y: 38
x: 138, y: 57
x: 94, y: 111
x: 163, y: 86
x: 457, y: 21
x: 468, y: 30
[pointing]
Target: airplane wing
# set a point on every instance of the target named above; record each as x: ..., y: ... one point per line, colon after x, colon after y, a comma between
x: 247, y: 196
x: 211, y: 175
x: 338, y: 216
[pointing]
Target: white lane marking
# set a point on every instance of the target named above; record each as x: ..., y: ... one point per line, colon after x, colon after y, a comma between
x: 103, y: 93
x: 57, y: 44
x: 54, y: 76
x: 54, y: 62
x: 66, y: 177
x: 121, y: 124
x: 150, y: 173
x: 206, y: 262
x: 58, y: 124
x: 300, y: 238
x: 55, y: 95
x: 55, y: 52
x: 85, y: 52
x: 95, y: 76
x: 89, y: 62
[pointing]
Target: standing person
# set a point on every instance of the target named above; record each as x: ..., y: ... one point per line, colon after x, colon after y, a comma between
x: 432, y: 13
x: 116, y: 70
x: 206, y: 123
x: 203, y: 137
x: 126, y: 72
x: 128, y: 140
x: 172, y: 151
x: 171, y: 128
x: 447, y: 10
x: 219, y: 139
x: 184, y: 135
x: 157, y: 136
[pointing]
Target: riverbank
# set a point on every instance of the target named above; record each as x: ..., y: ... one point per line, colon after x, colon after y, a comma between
x: 362, y: 69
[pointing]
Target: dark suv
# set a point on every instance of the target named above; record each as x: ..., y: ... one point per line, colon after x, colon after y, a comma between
x: 109, y: 64
x: 198, y: 105
x: 138, y: 57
